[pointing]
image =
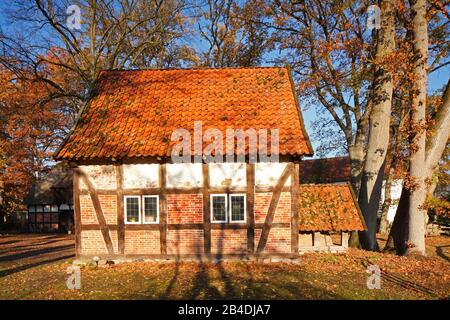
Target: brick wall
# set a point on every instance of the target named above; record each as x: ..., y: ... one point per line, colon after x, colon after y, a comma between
x: 282, y: 213
x: 184, y: 208
x: 279, y: 240
x: 92, y: 242
x: 229, y: 241
x: 142, y: 242
x: 109, y: 208
x: 185, y: 242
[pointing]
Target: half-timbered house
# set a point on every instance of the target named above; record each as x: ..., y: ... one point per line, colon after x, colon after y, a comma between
x: 132, y: 200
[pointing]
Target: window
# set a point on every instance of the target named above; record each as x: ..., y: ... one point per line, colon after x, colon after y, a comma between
x: 132, y: 209
x: 233, y: 206
x: 237, y: 208
x: 150, y: 209
x: 218, y: 208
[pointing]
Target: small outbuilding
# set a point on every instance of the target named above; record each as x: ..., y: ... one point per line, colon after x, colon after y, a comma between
x: 327, y: 215
x: 50, y: 202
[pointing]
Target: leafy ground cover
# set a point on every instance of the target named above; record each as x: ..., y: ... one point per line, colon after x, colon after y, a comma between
x: 35, y: 267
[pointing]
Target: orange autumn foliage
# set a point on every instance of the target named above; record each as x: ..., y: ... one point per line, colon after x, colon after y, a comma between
x: 33, y: 121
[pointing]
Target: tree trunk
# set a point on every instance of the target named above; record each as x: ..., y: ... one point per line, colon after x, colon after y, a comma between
x: 379, y: 121
x: 417, y: 171
x: 399, y: 232
x: 384, y: 223
x: 356, y: 154
x: 435, y: 148
x: 2, y: 218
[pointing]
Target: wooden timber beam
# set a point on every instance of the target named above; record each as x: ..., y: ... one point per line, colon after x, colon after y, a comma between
x: 272, y: 207
x: 120, y: 209
x: 99, y: 212
x: 206, y: 211
x: 295, y: 181
x: 250, y: 169
x: 163, y: 209
x: 77, y: 210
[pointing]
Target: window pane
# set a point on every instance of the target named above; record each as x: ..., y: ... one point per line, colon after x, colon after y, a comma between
x: 38, y: 208
x: 132, y: 209
x: 32, y: 217
x: 31, y: 209
x: 47, y: 208
x: 237, y: 208
x: 150, y: 209
x: 54, y: 208
x: 219, y: 208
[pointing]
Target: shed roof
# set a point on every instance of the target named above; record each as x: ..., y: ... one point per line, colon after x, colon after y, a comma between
x: 54, y: 188
x: 132, y: 114
x: 325, y: 170
x: 329, y: 207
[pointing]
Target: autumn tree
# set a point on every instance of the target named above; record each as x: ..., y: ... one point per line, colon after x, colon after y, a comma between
x: 379, y: 125
x: 31, y: 130
x: 49, y: 69
x: 329, y: 50
x: 428, y: 130
x: 113, y: 35
x: 228, y: 34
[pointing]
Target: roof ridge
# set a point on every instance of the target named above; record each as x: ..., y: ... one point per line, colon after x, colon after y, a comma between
x: 194, y: 68
x: 330, y: 158
x: 325, y: 184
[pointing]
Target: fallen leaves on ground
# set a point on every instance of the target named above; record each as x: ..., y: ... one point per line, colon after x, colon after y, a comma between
x: 316, y: 276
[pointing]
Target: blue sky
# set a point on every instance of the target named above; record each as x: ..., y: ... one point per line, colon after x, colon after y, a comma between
x: 436, y: 80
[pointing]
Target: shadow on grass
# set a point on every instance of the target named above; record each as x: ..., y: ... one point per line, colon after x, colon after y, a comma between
x: 28, y: 254
x: 401, y: 282
x: 240, y: 285
x: 9, y: 242
x: 440, y: 252
x: 236, y: 280
x: 8, y: 272
x: 28, y: 246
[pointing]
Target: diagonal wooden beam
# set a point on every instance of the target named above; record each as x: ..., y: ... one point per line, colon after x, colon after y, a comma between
x: 99, y: 212
x: 272, y: 207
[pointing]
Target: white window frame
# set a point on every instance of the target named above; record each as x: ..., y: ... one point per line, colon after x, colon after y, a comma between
x: 245, y: 207
x: 212, y: 196
x: 157, y: 209
x: 125, y: 209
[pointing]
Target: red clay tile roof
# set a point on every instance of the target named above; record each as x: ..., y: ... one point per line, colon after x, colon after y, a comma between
x: 329, y: 207
x: 133, y: 113
x: 326, y: 170
x: 338, y: 169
